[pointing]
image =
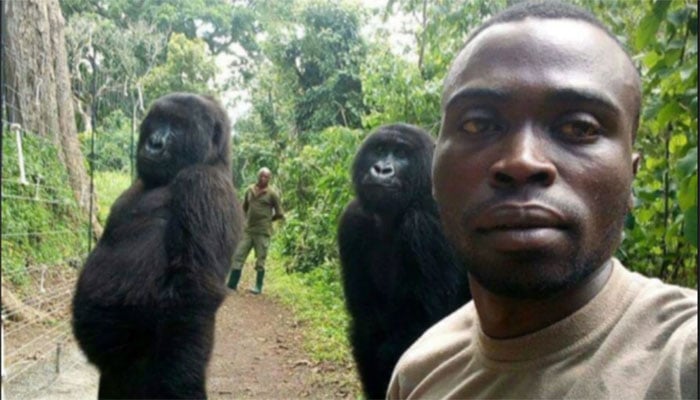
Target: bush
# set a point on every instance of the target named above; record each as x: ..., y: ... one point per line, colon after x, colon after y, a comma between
x: 316, y: 187
x: 114, y: 144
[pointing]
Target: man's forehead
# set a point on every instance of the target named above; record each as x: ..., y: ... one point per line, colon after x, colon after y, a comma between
x: 562, y: 43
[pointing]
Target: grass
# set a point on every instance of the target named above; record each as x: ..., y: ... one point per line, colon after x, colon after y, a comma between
x: 108, y: 186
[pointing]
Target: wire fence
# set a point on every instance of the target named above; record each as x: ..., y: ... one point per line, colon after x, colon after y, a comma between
x: 44, y: 243
x: 46, y: 232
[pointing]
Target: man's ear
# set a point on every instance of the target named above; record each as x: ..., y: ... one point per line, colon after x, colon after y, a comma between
x: 636, y: 159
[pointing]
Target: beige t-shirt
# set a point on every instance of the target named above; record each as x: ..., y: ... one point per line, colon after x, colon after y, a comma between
x: 636, y: 339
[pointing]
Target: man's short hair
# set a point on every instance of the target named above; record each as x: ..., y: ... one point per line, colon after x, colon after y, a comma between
x: 545, y: 9
x: 265, y: 170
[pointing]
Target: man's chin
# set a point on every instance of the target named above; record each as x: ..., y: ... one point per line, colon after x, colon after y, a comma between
x: 535, y: 290
x: 533, y: 276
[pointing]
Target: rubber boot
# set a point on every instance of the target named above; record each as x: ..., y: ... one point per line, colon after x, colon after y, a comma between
x: 258, y: 282
x: 234, y: 278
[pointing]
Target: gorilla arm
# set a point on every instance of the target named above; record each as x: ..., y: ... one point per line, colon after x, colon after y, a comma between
x: 205, y: 223
x: 438, y: 266
x: 355, y: 233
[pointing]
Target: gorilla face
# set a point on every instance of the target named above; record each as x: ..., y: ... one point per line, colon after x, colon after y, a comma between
x: 391, y: 169
x: 179, y: 131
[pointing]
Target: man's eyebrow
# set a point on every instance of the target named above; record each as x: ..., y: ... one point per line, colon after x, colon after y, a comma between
x: 581, y: 95
x: 492, y: 94
x: 565, y: 95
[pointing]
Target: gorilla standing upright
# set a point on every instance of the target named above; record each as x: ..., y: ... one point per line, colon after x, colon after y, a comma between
x: 146, y: 299
x: 400, y: 275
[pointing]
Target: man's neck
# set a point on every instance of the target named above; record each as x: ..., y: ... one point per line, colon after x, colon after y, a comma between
x: 504, y: 317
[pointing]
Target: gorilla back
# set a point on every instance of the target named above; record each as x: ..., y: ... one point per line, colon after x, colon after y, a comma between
x: 146, y: 299
x: 399, y: 273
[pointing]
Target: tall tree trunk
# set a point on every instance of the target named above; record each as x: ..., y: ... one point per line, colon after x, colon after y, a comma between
x: 31, y: 92
x: 39, y: 91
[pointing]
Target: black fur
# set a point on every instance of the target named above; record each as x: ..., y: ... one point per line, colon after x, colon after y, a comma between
x: 146, y: 299
x: 400, y: 275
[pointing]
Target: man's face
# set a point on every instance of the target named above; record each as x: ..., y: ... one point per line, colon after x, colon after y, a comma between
x: 263, y: 179
x: 534, y: 164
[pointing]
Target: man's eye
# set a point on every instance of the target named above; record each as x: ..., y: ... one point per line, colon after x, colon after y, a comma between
x: 480, y: 125
x: 580, y: 130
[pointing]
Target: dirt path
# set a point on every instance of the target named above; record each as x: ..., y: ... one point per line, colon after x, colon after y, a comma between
x: 257, y: 354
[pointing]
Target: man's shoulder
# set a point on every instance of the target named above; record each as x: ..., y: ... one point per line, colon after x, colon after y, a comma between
x: 442, y: 340
x: 670, y: 311
x: 672, y: 298
x: 437, y: 347
x: 668, y: 305
x: 663, y: 320
x: 273, y: 191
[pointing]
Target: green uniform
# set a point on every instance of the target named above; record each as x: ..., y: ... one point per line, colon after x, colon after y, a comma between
x: 260, y: 211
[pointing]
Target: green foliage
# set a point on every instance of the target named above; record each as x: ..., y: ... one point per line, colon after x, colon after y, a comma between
x: 188, y: 68
x: 182, y: 16
x: 250, y: 153
x: 394, y: 91
x: 442, y: 29
x: 114, y: 144
x: 399, y: 90
x: 41, y: 221
x: 308, y: 71
x: 326, y: 61
x: 661, y: 235
x: 316, y: 187
x: 124, y: 54
x: 107, y: 63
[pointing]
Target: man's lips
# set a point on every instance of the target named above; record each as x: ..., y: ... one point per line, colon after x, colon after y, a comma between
x: 519, y: 216
x: 518, y: 227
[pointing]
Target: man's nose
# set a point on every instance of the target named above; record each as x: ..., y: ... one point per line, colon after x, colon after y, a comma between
x: 524, y: 159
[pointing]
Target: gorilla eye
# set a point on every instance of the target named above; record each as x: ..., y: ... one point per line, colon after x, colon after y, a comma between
x: 580, y: 130
x: 475, y: 126
x: 400, y: 152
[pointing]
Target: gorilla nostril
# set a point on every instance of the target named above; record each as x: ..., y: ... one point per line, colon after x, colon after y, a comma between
x: 155, y: 143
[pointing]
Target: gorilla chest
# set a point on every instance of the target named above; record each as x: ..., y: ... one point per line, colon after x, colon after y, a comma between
x: 387, y: 263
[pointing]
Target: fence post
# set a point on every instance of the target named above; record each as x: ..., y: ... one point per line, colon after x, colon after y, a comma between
x: 91, y: 158
x: 36, y: 188
x: 58, y: 358
x: 20, y: 156
x: 2, y: 357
